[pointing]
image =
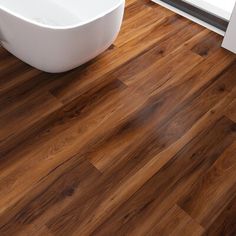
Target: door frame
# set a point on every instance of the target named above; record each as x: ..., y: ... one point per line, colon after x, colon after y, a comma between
x: 229, y: 41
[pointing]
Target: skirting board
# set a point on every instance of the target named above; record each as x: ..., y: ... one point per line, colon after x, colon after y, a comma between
x: 190, y: 17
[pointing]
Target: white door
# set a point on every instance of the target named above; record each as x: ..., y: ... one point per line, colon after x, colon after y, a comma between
x: 230, y: 36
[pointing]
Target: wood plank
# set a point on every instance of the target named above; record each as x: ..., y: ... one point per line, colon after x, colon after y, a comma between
x: 166, y: 71
x: 53, y: 144
x: 141, y: 21
x: 231, y: 111
x: 20, y: 88
x: 161, y: 50
x: 7, y: 63
x: 16, y: 124
x: 176, y: 222
x: 129, y: 2
x: 225, y: 223
x: 207, y: 45
x: 36, y: 231
x: 115, y: 151
x: 55, y: 191
x: 217, y: 186
x: 133, y: 7
x: 141, y: 212
x: 17, y: 75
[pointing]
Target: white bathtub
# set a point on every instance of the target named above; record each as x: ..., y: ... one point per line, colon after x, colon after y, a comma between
x: 59, y: 35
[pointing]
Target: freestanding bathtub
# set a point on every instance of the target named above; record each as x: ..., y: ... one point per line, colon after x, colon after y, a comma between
x: 59, y: 35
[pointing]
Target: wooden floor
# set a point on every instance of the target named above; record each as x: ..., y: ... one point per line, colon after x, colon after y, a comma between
x: 139, y: 141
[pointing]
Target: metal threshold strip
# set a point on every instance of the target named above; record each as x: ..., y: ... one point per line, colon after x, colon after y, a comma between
x: 207, y: 17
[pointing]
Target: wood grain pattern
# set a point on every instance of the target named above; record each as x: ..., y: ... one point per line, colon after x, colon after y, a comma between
x: 210, y: 188
x: 231, y: 111
x: 176, y: 222
x: 225, y: 223
x: 131, y: 143
x: 146, y: 207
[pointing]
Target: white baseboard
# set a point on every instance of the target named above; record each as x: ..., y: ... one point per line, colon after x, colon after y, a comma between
x: 220, y: 8
x: 190, y: 17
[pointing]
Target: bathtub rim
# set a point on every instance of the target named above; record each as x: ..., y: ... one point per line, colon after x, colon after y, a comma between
x: 4, y: 9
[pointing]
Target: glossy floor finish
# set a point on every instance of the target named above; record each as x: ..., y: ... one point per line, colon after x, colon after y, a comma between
x: 139, y: 141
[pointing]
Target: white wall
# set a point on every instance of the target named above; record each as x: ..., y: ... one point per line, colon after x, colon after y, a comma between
x: 230, y: 36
